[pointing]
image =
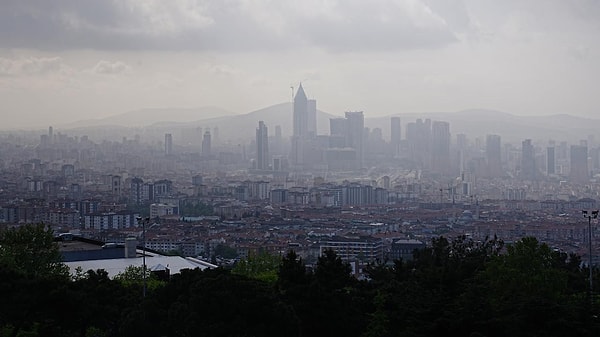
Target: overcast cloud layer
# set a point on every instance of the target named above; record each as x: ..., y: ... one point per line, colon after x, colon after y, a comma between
x: 154, y: 25
x: 77, y: 59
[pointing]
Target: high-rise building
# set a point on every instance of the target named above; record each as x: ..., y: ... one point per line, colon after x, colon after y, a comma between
x: 376, y: 135
x: 375, y: 146
x: 337, y: 132
x: 579, y: 164
x: 550, y: 160
x: 300, y: 125
x: 168, y: 144
x: 337, y: 126
x: 276, y: 146
x: 355, y: 134
x: 411, y: 140
x: 116, y: 183
x: 594, y: 154
x: 493, y: 155
x: 462, y: 143
x: 528, y: 168
x: 300, y: 113
x: 262, y: 146
x: 395, y: 135
x: 311, y: 117
x: 206, y: 144
x: 418, y: 138
x: 440, y: 147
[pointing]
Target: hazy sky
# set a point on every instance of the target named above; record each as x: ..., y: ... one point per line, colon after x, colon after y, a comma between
x: 67, y: 60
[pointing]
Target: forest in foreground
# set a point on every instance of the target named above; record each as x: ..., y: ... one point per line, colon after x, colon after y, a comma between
x: 455, y: 287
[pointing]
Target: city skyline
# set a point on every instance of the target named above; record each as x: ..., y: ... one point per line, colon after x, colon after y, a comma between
x: 84, y: 60
x: 447, y: 181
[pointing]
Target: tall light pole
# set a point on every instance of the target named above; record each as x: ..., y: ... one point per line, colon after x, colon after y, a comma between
x: 143, y: 252
x: 590, y: 215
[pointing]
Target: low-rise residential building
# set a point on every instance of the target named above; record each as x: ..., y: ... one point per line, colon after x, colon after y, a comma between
x: 160, y: 210
x: 111, y: 220
x: 403, y: 249
x: 363, y: 248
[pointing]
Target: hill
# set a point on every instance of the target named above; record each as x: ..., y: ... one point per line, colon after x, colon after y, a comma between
x: 241, y: 127
x: 150, y: 116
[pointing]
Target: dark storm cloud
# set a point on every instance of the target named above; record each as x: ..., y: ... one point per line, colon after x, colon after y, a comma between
x: 235, y: 25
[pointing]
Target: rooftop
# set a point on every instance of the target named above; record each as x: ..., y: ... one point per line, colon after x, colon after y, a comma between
x: 115, y: 266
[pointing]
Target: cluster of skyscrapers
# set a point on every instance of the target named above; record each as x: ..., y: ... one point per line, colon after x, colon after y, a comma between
x: 343, y: 149
x: 427, y: 146
x: 350, y: 145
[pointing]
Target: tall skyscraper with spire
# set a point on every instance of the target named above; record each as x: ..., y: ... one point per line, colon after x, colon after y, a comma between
x: 311, y: 117
x: 301, y: 127
x: 300, y: 113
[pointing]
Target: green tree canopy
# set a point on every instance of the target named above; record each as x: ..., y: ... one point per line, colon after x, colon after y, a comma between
x: 133, y: 276
x: 262, y: 266
x: 198, y: 209
x: 332, y: 272
x: 31, y: 250
x: 526, y: 287
x: 225, y: 251
x: 292, y: 271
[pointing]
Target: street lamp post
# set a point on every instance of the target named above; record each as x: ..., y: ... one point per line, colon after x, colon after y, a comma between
x: 590, y: 215
x: 143, y: 253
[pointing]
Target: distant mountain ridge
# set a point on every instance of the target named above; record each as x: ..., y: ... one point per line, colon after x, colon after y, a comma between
x: 244, y: 126
x: 149, y: 116
x: 473, y: 122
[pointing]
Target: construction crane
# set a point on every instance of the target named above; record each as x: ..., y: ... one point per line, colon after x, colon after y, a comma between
x: 451, y: 192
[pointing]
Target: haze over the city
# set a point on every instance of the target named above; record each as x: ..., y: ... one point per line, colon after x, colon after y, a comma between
x: 63, y: 61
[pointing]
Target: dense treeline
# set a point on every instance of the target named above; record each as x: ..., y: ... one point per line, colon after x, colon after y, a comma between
x: 453, y: 288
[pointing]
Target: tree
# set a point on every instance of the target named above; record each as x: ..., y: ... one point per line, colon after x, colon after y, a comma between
x: 134, y: 276
x: 262, y: 266
x: 332, y: 304
x: 29, y: 304
x: 213, y: 302
x: 527, y: 291
x: 379, y: 273
x: 379, y: 322
x: 425, y: 295
x: 292, y: 272
x: 31, y: 250
x: 225, y: 251
x: 332, y: 273
x: 198, y: 209
x: 527, y: 269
